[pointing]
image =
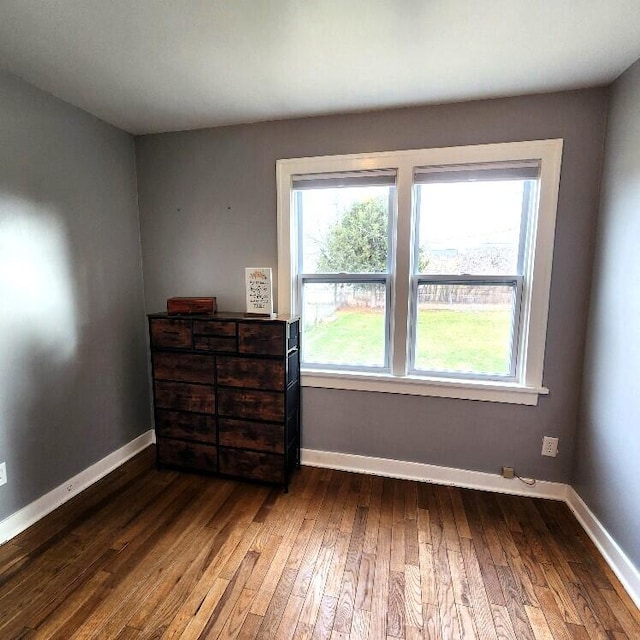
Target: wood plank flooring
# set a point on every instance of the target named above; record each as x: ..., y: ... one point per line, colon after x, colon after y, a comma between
x: 160, y: 554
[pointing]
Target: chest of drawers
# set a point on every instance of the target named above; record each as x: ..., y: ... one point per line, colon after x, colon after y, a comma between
x: 227, y: 394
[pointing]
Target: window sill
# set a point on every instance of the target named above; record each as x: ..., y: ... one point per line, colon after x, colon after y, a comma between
x: 488, y: 391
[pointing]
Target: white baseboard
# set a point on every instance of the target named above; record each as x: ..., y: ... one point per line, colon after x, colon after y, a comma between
x: 432, y: 473
x: 21, y: 520
x: 624, y: 569
x: 627, y: 573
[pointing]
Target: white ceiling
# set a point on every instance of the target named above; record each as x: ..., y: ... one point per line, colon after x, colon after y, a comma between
x: 163, y: 65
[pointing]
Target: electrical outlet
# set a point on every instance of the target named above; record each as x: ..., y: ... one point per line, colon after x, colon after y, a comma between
x: 3, y: 473
x: 508, y: 473
x: 549, y: 446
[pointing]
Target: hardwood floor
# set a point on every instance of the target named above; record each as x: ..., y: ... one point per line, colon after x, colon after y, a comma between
x: 160, y: 554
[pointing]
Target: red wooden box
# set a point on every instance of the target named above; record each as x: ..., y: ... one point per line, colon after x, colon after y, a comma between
x: 187, y: 306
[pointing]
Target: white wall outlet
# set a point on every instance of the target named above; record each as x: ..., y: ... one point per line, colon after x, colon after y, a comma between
x: 3, y: 473
x: 549, y: 446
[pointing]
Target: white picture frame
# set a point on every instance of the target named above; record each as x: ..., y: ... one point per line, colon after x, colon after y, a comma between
x: 259, y: 290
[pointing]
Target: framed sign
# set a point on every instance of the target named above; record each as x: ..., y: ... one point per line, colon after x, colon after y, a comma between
x: 259, y: 290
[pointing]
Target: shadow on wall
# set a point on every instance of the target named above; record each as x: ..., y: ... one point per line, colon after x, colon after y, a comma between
x: 38, y: 337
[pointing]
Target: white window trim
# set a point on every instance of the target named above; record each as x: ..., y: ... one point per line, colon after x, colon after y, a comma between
x: 536, y: 295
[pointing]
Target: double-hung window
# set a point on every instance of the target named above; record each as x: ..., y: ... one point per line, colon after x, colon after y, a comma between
x: 344, y: 222
x: 422, y: 272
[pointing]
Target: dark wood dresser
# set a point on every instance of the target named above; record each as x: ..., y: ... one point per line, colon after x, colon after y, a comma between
x: 227, y: 394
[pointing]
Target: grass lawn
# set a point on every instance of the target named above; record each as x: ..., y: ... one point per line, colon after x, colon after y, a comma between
x: 475, y: 341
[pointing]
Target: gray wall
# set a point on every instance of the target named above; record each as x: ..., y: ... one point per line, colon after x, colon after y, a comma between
x: 608, y: 444
x: 208, y: 209
x: 73, y: 376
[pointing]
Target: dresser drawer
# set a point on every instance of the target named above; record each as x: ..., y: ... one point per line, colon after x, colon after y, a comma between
x: 190, y: 426
x: 260, y: 405
x: 183, y: 367
x: 175, y: 334
x: 185, y: 397
x: 215, y: 343
x: 250, y: 464
x: 265, y: 339
x: 214, y: 328
x: 251, y: 435
x: 251, y: 372
x: 188, y: 455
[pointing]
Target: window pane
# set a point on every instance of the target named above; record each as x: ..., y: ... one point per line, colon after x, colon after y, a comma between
x: 344, y: 230
x: 471, y: 227
x: 344, y: 324
x: 465, y: 328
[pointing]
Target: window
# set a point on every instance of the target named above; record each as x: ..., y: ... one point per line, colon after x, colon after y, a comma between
x: 423, y: 272
x: 344, y: 270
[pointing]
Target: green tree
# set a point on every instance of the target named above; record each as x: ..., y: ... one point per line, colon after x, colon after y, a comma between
x: 358, y: 243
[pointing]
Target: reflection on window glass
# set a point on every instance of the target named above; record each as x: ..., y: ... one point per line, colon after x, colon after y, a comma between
x: 344, y: 324
x: 464, y: 328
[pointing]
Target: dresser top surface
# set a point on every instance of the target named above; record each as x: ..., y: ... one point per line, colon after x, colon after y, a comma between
x: 225, y: 316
